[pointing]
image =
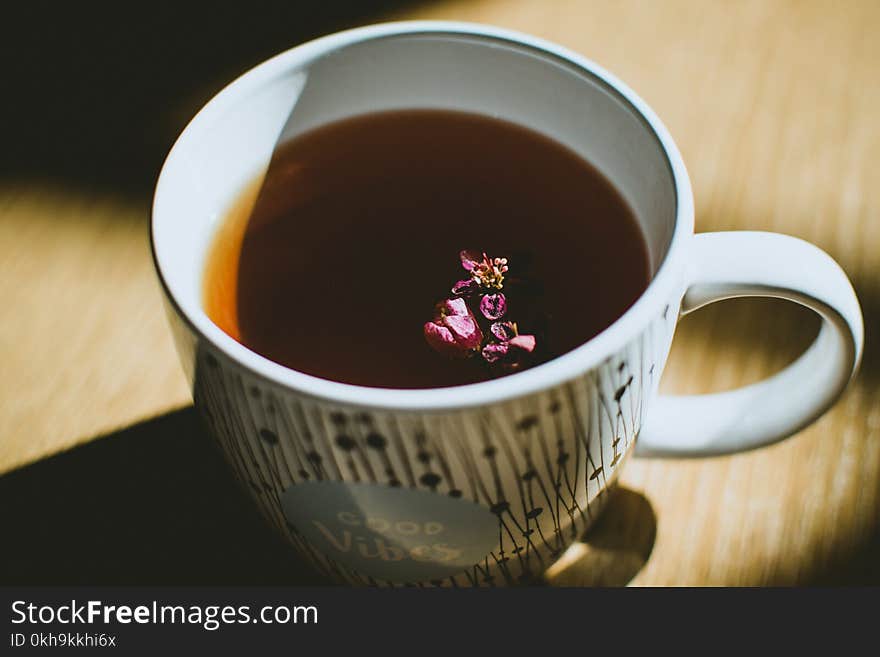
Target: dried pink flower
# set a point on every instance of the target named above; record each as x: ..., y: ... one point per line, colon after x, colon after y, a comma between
x: 454, y: 330
x: 495, y: 351
x: 486, y: 271
x: 524, y: 342
x: 504, y: 331
x: 470, y: 259
x: 493, y: 306
x: 509, y: 342
x: 465, y: 287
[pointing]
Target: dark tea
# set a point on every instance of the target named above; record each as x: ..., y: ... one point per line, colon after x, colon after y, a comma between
x: 333, y: 263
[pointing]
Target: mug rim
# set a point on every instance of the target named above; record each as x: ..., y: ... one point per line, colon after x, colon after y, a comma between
x: 568, y: 366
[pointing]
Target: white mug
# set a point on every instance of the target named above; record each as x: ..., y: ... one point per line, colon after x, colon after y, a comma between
x: 481, y: 484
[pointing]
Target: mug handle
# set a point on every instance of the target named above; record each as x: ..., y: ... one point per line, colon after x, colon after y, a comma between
x: 758, y: 264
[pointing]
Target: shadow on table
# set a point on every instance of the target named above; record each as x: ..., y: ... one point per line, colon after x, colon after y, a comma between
x: 156, y: 504
x: 616, y: 547
x: 152, y: 504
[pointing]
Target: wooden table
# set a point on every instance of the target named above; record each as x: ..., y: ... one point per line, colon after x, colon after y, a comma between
x: 776, y: 108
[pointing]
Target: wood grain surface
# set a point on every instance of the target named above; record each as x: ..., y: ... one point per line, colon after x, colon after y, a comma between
x: 775, y: 106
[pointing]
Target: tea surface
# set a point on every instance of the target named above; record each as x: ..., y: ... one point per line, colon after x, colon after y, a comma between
x: 334, y: 263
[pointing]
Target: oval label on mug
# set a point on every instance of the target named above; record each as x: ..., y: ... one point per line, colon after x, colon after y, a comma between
x: 395, y: 534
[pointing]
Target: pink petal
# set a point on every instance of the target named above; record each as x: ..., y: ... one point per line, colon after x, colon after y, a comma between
x: 455, y: 307
x: 494, y: 352
x: 504, y: 331
x: 465, y: 330
x: 437, y: 335
x: 469, y: 259
x: 441, y: 340
x: 524, y: 342
x: 465, y: 287
x: 493, y: 306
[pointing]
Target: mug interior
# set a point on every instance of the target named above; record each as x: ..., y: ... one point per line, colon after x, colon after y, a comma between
x: 505, y: 80
x: 232, y: 139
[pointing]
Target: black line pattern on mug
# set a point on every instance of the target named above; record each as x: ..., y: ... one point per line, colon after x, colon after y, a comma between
x: 541, y: 465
